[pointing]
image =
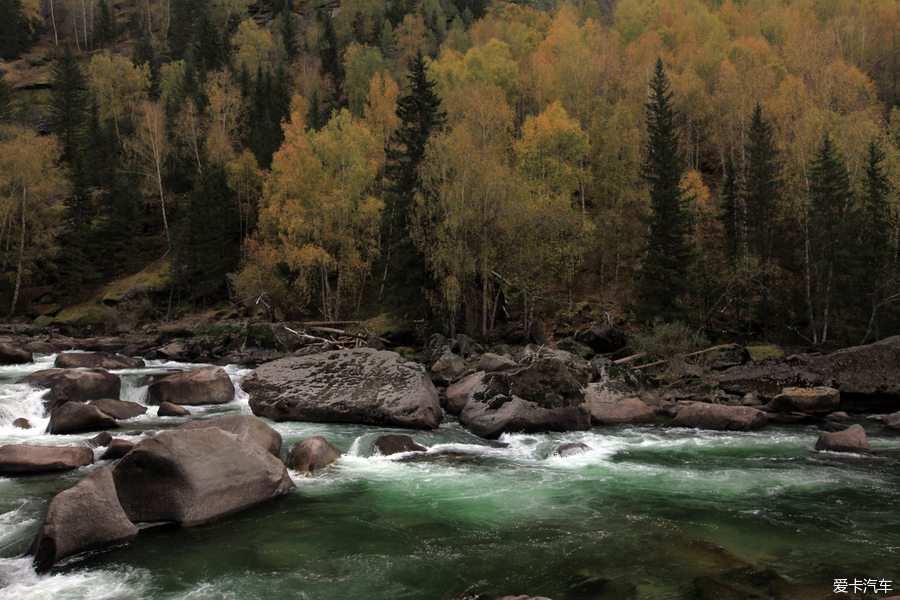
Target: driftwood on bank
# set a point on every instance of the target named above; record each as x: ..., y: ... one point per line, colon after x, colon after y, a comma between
x: 657, y: 363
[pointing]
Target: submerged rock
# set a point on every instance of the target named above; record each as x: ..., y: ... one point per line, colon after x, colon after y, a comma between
x: 247, y: 427
x: 196, y: 476
x: 396, y: 444
x: 19, y: 459
x: 311, y: 455
x: 83, y: 518
x: 542, y: 396
x: 73, y: 417
x: 93, y: 360
x: 206, y: 385
x: 569, y: 449
x: 852, y: 439
x: 719, y: 417
x: 364, y: 385
x: 22, y: 423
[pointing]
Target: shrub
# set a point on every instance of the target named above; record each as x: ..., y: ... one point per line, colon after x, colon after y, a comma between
x: 668, y: 340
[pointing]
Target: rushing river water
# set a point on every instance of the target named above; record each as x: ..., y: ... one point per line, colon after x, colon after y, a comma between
x: 650, y: 512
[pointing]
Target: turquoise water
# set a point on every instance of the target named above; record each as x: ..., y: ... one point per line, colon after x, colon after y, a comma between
x: 648, y: 512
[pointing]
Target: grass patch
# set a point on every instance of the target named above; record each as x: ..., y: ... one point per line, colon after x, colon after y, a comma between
x: 765, y: 351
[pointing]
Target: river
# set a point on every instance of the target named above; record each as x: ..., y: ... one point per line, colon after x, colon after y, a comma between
x: 650, y: 512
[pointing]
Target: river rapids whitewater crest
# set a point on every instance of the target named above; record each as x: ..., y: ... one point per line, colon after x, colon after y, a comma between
x: 647, y: 513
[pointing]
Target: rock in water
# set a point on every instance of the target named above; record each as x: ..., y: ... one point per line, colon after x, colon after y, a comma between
x: 542, y: 396
x: 73, y: 385
x: 206, y: 385
x: 247, y: 427
x: 892, y: 421
x: 312, y: 454
x: 367, y: 386
x: 73, y: 417
x: 196, y: 476
x: 459, y: 394
x: 83, y: 518
x: 14, y: 355
x: 720, y: 417
x: 569, y: 449
x: 24, y: 458
x: 119, y: 409
x: 852, y: 439
x: 167, y: 409
x: 611, y: 403
x: 117, y: 449
x: 22, y: 423
x: 396, y: 444
x: 95, y: 360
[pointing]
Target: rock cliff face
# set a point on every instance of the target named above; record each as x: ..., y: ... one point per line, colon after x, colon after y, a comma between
x: 364, y: 386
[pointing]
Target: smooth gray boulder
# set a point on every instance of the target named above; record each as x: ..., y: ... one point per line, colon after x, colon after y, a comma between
x: 206, y: 385
x: 396, y: 444
x: 819, y: 399
x: 458, y: 395
x: 312, y: 455
x: 96, y: 360
x: 247, y: 427
x: 119, y: 409
x: 83, y: 518
x: 73, y: 385
x: 19, y: 459
x: 74, y: 417
x: 542, y: 396
x: 196, y: 476
x: 14, y: 355
x: 612, y: 403
x: 852, y: 439
x: 366, y: 386
x: 702, y: 415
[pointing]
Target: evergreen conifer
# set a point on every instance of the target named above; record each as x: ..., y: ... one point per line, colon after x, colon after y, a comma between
x: 68, y: 101
x: 15, y: 30
x: 5, y: 99
x: 668, y: 254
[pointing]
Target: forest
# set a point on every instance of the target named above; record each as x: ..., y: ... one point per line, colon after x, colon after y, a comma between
x: 733, y: 165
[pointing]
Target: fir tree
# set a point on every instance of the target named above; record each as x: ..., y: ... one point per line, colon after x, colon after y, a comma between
x: 15, y: 30
x: 668, y: 254
x: 104, y: 32
x: 211, y: 49
x: 68, y: 101
x: 288, y: 30
x: 420, y: 117
x: 732, y: 209
x: 208, y: 241
x: 76, y: 264
x: 829, y: 199
x: 269, y: 105
x: 144, y: 54
x: 328, y: 49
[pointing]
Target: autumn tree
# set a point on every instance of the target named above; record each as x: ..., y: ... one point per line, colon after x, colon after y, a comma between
x: 119, y: 87
x: 29, y: 180
x: 667, y: 257
x: 151, y: 147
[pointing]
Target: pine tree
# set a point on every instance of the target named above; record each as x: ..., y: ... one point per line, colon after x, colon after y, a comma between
x: 668, y: 254
x: 420, y: 117
x: 732, y: 210
x: 269, y: 105
x: 104, y: 32
x: 76, y: 263
x: 5, y: 99
x: 829, y: 200
x: 68, y: 101
x: 144, y: 54
x: 208, y: 241
x: 288, y: 30
x: 15, y: 30
x: 328, y: 49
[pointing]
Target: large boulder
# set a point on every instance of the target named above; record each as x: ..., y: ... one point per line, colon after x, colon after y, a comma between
x: 83, y: 518
x: 542, y: 396
x: 458, y: 395
x: 581, y: 369
x: 206, y: 385
x: 119, y: 409
x: 196, y: 476
x: 14, y: 355
x: 73, y: 417
x: 396, y: 444
x: 367, y: 386
x: 73, y: 385
x: 39, y: 347
x: 247, y: 427
x: 602, y: 339
x: 613, y: 403
x: 852, y: 439
x: 312, y: 454
x: 809, y: 400
x: 17, y: 459
x: 720, y: 417
x: 96, y: 360
x: 447, y: 369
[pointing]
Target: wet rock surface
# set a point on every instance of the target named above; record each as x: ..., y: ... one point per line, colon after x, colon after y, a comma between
x: 25, y: 458
x: 206, y: 385
x: 312, y: 455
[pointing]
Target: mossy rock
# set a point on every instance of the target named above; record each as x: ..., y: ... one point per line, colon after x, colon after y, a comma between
x: 156, y: 279
x: 86, y: 318
x: 272, y: 336
x: 43, y: 321
x: 393, y: 327
x: 171, y: 334
x: 406, y: 352
x: 763, y: 352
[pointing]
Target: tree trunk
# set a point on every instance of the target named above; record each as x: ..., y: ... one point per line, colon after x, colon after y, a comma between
x: 15, y: 299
